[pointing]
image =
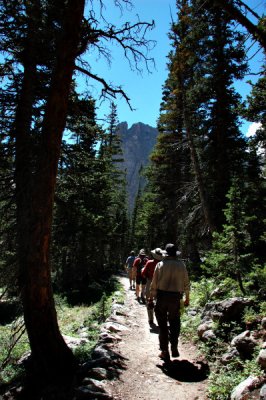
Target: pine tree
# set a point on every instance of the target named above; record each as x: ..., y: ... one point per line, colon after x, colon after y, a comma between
x: 78, y: 217
x: 111, y: 153
x: 235, y: 252
x: 200, y: 146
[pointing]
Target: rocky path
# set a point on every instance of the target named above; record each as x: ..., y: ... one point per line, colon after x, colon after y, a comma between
x: 147, y: 377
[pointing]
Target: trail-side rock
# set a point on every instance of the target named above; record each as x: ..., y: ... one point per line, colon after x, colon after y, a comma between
x: 90, y: 392
x: 100, y: 352
x: 106, y: 337
x: 244, y: 343
x: 118, y: 297
x: 263, y: 392
x: 263, y: 323
x: 119, y: 309
x: 101, y: 362
x: 243, y: 390
x: 115, y: 327
x: 230, y: 356
x: 217, y: 292
x: 94, y: 384
x: 261, y: 359
x: 118, y: 319
x: 192, y: 312
x: 74, y: 342
x: 204, y: 327
x: 226, y: 310
x: 208, y: 336
x: 98, y: 374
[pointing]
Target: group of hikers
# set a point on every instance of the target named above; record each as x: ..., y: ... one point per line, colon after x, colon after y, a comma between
x: 161, y: 281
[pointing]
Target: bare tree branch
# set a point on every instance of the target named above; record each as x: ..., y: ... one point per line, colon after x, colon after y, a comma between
x: 242, y: 4
x: 107, y: 89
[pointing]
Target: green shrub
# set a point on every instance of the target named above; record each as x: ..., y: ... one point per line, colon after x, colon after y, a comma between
x: 83, y: 352
x: 263, y: 309
x: 201, y: 292
x: 224, y: 379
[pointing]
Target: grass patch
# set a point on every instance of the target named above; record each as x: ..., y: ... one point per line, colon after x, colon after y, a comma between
x: 71, y: 320
x: 224, y: 379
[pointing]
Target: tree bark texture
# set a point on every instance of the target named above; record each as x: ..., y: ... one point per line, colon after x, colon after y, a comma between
x: 198, y: 173
x: 35, y: 199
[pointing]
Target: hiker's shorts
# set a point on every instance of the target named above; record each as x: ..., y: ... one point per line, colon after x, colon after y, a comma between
x: 140, y: 280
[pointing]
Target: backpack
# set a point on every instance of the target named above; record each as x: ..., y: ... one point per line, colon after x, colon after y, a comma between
x: 141, y: 264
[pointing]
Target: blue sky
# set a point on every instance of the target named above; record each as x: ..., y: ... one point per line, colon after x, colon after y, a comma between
x: 145, y: 90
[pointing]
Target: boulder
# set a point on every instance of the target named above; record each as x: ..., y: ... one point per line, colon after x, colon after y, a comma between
x: 244, y: 343
x: 107, y: 337
x: 226, y: 310
x: 231, y: 355
x: 208, y: 336
x: 203, y: 328
x: 115, y: 327
x: 263, y: 392
x: 89, y: 392
x: 192, y: 312
x: 116, y: 318
x: 74, y: 342
x: 118, y: 309
x: 99, y: 373
x: 242, y: 391
x: 261, y: 359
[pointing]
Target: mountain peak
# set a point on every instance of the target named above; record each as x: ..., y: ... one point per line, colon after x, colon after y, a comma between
x: 137, y: 144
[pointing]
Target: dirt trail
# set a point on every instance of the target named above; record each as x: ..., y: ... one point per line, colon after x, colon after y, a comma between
x: 146, y: 376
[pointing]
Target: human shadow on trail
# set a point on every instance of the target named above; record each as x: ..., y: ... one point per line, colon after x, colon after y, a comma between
x: 185, y: 371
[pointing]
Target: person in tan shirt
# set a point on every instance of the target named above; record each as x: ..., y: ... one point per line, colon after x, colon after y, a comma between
x: 170, y: 282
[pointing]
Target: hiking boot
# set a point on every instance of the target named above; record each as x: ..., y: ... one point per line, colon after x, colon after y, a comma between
x: 164, y: 355
x: 143, y: 299
x: 151, y: 323
x: 175, y: 352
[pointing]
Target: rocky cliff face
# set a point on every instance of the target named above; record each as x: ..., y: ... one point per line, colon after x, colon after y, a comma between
x: 137, y: 144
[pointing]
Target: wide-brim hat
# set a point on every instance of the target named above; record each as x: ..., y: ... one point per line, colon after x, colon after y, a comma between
x: 157, y: 253
x: 171, y: 250
x: 142, y: 252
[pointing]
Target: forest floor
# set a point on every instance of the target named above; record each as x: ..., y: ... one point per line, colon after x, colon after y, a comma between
x: 145, y: 375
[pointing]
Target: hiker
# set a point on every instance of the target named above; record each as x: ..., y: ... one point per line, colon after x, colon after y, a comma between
x: 147, y: 272
x: 170, y: 281
x: 129, y: 268
x: 139, y: 263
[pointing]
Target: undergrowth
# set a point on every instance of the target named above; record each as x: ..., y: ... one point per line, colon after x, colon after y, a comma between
x: 71, y: 319
x: 223, y: 378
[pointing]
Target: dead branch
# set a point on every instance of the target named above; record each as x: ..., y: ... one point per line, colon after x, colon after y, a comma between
x: 107, y: 89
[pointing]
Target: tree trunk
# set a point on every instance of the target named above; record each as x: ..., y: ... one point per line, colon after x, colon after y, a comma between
x: 35, y: 196
x: 258, y: 32
x: 198, y: 173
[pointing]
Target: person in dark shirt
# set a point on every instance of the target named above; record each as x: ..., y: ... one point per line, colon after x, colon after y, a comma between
x: 147, y: 272
x: 139, y: 263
